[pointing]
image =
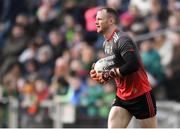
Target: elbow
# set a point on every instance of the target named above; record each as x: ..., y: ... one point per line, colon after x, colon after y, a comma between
x: 136, y: 67
x: 132, y: 67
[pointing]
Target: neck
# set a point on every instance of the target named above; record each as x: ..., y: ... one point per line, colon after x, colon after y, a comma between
x: 109, y: 31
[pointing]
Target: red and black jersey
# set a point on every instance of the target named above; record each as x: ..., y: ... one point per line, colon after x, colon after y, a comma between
x: 123, y: 53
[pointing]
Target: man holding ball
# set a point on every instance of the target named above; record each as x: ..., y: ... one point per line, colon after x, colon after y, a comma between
x: 134, y: 94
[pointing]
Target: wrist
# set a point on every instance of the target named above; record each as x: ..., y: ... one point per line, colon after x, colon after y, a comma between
x: 110, y: 74
x: 106, y: 75
x: 115, y: 72
x: 118, y: 73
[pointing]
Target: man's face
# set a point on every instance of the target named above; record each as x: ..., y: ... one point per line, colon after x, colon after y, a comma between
x: 102, y: 21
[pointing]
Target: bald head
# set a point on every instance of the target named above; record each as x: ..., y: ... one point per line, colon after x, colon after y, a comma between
x: 111, y: 13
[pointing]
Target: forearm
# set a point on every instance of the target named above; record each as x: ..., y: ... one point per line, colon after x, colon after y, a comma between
x: 131, y: 65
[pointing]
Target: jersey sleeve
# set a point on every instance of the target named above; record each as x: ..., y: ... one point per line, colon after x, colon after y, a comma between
x: 128, y: 52
x: 125, y: 44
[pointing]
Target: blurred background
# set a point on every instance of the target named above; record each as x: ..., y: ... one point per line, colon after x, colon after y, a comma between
x: 47, y: 48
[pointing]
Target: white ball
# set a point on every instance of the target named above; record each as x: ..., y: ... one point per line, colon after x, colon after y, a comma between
x: 101, y: 65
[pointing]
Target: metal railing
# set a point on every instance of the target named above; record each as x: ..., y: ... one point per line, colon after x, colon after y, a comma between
x: 168, y: 114
x: 154, y: 34
x: 57, y: 111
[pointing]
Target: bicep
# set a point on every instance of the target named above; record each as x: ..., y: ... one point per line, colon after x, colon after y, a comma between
x: 128, y: 52
x: 125, y: 45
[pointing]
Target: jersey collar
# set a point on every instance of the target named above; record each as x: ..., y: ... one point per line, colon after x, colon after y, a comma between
x: 111, y: 36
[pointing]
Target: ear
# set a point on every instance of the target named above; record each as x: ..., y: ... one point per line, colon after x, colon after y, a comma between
x: 111, y: 21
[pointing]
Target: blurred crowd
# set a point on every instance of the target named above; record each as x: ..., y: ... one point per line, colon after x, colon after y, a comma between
x: 47, y: 48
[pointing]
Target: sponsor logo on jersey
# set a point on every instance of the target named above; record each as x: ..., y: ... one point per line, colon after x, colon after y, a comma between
x: 110, y: 62
x: 108, y: 49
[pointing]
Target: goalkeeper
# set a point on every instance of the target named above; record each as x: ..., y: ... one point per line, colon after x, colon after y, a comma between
x: 134, y: 94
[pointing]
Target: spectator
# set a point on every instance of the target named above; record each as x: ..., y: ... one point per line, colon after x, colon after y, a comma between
x: 173, y: 69
x: 104, y: 103
x: 89, y: 98
x: 152, y: 63
x: 151, y: 60
x: 91, y: 35
x: 45, y: 62
x: 68, y: 28
x: 173, y: 22
x: 11, y: 8
x: 46, y: 19
x: 159, y: 11
x: 87, y: 57
x: 59, y: 82
x: 78, y: 87
x: 57, y: 43
x: 30, y: 69
x: 13, y: 46
x: 144, y: 7
x: 29, y: 52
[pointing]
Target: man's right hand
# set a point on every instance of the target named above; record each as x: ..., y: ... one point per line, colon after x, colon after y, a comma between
x: 96, y: 77
x: 93, y: 74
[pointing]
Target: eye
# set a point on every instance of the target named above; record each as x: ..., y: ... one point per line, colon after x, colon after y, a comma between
x: 99, y: 19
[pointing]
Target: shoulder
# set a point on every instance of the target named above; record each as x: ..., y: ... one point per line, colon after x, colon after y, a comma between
x: 121, y: 37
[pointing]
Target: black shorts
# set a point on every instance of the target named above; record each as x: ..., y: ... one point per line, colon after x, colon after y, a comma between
x: 141, y: 107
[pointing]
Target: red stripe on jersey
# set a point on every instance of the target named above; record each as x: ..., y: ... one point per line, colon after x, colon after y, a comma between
x: 116, y: 30
x: 150, y: 104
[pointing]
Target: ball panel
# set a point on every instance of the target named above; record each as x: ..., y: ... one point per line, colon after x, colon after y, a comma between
x: 101, y: 65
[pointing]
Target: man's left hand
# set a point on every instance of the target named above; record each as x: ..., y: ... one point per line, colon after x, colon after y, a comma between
x: 105, y: 76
